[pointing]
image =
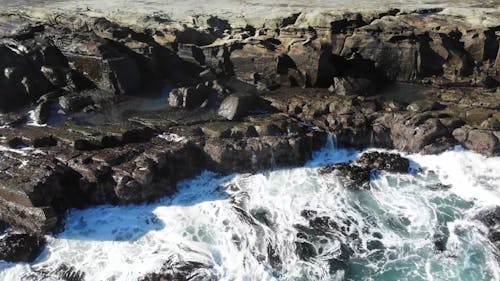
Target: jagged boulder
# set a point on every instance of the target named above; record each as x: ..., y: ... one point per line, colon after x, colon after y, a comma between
x: 3, y: 227
x: 353, y: 176
x: 75, y: 102
x: 352, y: 86
x: 479, y: 140
x: 181, y: 270
x: 20, y: 247
x: 358, y: 174
x: 257, y: 153
x: 20, y: 82
x: 190, y: 97
x: 491, y: 218
x: 391, y: 162
x: 237, y: 106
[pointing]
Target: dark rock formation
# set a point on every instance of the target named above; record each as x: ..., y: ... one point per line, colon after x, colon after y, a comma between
x: 391, y: 162
x: 305, y: 250
x: 491, y: 218
x: 20, y: 247
x: 357, y: 174
x: 181, y: 271
x: 441, y: 119
x: 110, y: 148
x: 3, y: 227
x: 126, y: 163
x: 352, y: 176
x: 190, y: 97
x: 75, y: 102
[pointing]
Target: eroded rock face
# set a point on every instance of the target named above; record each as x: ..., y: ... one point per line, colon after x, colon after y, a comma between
x: 21, y: 82
x: 127, y: 163
x: 440, y: 120
x: 299, y: 72
x: 354, y: 53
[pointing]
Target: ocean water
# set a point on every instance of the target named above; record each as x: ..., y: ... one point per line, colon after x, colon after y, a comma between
x: 293, y: 224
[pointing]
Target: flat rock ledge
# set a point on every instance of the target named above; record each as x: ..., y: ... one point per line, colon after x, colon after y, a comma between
x: 99, y: 109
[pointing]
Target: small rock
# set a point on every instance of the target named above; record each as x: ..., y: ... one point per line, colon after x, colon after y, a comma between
x: 491, y: 218
x: 440, y: 238
x: 305, y: 250
x: 76, y: 81
x: 45, y: 141
x: 16, y: 142
x: 54, y: 75
x: 483, y: 141
x: 491, y: 124
x: 3, y: 227
x: 391, y: 162
x: 75, y: 103
x: 70, y: 273
x: 263, y: 215
x: 237, y: 105
x: 375, y: 245
x: 346, y: 86
x: 490, y: 82
x: 476, y: 116
x: 353, y: 176
x: 308, y: 213
x: 190, y: 97
x: 422, y: 106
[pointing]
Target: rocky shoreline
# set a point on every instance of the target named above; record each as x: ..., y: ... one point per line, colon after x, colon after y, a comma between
x: 96, y: 111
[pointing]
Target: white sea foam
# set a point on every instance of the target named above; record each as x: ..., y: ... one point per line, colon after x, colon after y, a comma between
x: 32, y: 120
x: 233, y: 223
x: 173, y: 137
x: 20, y: 151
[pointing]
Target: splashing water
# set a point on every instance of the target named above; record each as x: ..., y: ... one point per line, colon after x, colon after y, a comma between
x: 294, y: 224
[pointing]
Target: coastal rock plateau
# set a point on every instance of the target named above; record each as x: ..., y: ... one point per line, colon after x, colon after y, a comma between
x: 99, y: 107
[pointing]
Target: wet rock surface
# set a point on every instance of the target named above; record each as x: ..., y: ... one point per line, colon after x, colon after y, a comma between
x: 3, y: 227
x: 101, y: 110
x: 357, y: 175
x: 20, y: 247
x: 181, y: 271
x: 491, y: 218
x: 378, y: 122
x: 391, y: 162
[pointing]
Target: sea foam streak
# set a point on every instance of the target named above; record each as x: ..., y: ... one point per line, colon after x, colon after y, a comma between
x: 246, y: 227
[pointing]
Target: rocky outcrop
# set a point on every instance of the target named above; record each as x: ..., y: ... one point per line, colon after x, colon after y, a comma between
x: 242, y: 98
x: 353, y: 53
x: 237, y: 105
x: 491, y: 218
x: 353, y: 176
x: 390, y: 162
x: 441, y: 119
x: 181, y: 270
x: 191, y: 97
x: 88, y: 165
x: 20, y: 247
x: 358, y: 174
x: 3, y: 227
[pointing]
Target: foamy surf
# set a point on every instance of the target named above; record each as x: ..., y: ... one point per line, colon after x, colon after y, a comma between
x: 293, y: 224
